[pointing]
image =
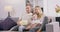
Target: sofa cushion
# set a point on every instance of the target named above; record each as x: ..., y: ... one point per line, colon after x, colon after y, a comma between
x: 15, y: 19
x: 1, y: 21
x: 15, y: 28
x: 7, y: 24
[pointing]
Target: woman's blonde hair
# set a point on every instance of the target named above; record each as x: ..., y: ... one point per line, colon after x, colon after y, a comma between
x: 39, y: 13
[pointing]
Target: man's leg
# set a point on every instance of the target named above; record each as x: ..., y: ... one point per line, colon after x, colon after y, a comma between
x: 21, y: 28
x: 34, y: 29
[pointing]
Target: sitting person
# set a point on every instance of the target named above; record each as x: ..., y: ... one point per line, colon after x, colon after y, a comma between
x: 25, y: 17
x: 37, y: 19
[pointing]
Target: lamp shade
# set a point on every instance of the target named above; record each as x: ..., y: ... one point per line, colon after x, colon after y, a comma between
x: 8, y: 8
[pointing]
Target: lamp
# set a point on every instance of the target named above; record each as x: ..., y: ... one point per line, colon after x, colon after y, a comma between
x: 8, y: 9
x: 57, y: 9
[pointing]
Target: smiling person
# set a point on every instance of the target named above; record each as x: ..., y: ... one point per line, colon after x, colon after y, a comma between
x: 38, y: 19
x: 26, y: 16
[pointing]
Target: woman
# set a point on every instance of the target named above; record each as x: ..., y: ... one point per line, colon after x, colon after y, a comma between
x: 37, y: 19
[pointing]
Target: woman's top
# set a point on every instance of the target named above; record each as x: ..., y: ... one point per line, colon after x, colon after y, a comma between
x: 35, y: 20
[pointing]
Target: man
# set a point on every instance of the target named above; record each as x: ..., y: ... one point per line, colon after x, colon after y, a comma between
x: 39, y: 20
x: 26, y: 16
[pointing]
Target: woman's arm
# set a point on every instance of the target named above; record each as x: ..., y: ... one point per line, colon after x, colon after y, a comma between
x: 32, y: 26
x: 45, y: 21
x: 28, y: 26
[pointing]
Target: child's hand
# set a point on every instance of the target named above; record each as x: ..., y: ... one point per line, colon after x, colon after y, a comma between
x: 34, y: 17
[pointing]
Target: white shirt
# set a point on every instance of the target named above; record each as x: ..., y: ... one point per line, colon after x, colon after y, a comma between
x: 38, y: 20
x: 26, y: 16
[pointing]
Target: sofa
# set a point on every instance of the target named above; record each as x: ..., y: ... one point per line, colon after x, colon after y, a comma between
x: 8, y: 23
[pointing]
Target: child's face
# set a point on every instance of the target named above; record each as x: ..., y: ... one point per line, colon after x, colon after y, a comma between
x: 34, y: 16
x: 36, y: 10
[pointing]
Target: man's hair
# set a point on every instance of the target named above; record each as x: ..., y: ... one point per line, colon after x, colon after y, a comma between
x: 28, y: 3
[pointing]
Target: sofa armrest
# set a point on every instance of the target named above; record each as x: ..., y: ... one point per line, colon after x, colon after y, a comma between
x: 15, y: 28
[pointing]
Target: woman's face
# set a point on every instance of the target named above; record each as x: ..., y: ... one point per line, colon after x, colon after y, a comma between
x: 28, y: 9
x: 36, y: 10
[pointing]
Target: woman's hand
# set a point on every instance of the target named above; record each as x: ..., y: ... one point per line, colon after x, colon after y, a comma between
x: 28, y: 27
x: 31, y: 26
x: 34, y: 25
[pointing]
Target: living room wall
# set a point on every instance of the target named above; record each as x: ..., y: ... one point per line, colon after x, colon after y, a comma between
x: 49, y: 7
x: 18, y: 6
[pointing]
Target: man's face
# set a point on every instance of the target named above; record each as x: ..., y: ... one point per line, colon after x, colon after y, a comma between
x: 28, y: 9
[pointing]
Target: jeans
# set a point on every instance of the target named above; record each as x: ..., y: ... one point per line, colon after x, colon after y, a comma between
x: 21, y: 28
x: 34, y: 29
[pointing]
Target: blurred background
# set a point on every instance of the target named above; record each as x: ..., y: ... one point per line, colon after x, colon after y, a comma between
x: 19, y: 7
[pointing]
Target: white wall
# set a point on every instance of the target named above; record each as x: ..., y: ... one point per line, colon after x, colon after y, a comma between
x: 34, y: 2
x: 18, y: 5
x: 49, y: 7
